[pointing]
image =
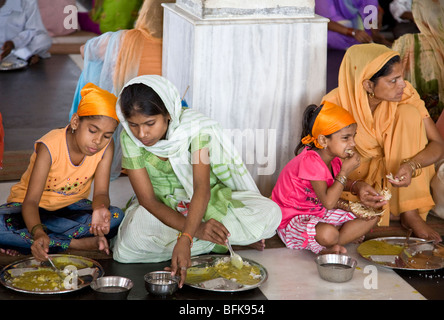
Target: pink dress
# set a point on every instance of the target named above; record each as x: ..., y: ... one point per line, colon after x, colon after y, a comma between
x: 301, y: 209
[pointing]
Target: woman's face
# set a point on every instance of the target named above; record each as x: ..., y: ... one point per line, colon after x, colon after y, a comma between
x: 391, y: 86
x: 148, y: 129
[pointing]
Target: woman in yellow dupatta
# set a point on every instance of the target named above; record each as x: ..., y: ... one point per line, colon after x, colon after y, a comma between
x: 395, y: 133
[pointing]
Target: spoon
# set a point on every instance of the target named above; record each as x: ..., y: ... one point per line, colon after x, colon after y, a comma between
x: 236, y: 260
x: 406, y: 242
x: 59, y: 272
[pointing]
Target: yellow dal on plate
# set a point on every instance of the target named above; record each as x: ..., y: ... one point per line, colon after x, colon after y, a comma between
x: 248, y: 275
x: 377, y: 247
x: 42, y: 279
x: 46, y: 279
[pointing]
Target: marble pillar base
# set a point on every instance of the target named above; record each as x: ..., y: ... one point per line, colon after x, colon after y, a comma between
x: 255, y: 76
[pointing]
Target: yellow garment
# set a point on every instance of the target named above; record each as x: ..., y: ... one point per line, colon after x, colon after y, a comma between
x: 66, y: 183
x: 97, y: 102
x: 330, y: 119
x: 422, y: 53
x: 395, y: 131
x: 141, y: 48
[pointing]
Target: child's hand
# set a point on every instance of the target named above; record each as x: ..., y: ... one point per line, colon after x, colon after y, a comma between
x: 351, y: 163
x: 40, y: 246
x: 100, y: 223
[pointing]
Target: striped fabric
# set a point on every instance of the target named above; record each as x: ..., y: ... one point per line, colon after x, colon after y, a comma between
x: 300, y: 232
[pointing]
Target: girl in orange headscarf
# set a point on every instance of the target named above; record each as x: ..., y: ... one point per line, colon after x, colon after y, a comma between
x: 395, y: 133
x: 52, y: 195
x: 114, y: 58
x: 309, y: 187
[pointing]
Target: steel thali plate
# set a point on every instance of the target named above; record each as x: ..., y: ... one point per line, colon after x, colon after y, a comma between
x: 87, y: 271
x: 221, y: 284
x: 419, y: 255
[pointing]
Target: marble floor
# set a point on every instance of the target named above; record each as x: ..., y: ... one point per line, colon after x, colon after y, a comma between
x: 292, y: 275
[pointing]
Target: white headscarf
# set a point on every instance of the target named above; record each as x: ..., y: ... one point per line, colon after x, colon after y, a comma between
x: 185, y: 125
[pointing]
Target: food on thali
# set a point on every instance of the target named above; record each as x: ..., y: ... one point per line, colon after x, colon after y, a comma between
x: 209, y: 274
x: 7, y: 64
x: 12, y: 64
x: 365, y: 212
x: 64, y: 261
x: 377, y: 247
x: 42, y: 279
x: 419, y: 255
x: 32, y: 276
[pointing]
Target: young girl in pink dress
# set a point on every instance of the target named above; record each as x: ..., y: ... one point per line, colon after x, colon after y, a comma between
x: 310, y: 185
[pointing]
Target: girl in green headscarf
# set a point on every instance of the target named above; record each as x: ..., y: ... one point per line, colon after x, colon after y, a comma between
x: 193, y: 190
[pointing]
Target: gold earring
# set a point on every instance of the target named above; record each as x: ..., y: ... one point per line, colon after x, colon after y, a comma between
x: 371, y: 94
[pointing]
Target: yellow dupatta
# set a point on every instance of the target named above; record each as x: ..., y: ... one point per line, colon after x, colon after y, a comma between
x: 375, y: 140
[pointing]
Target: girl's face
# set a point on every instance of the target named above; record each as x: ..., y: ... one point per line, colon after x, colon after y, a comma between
x: 92, y: 135
x: 148, y: 129
x: 391, y: 86
x: 341, y: 141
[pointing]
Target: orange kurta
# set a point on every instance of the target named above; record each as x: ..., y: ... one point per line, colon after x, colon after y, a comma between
x: 395, y: 131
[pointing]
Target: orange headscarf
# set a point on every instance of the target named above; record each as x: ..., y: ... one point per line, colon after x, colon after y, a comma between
x: 97, y: 102
x: 330, y: 119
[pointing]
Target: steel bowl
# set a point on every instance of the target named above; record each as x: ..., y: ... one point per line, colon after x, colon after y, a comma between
x: 336, y: 267
x: 112, y: 287
x: 161, y: 283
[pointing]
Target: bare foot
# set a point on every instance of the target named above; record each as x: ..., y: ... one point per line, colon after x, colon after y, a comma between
x: 260, y: 245
x: 337, y: 249
x: 412, y: 220
x: 359, y: 240
x: 91, y: 243
x: 34, y: 59
x: 10, y: 252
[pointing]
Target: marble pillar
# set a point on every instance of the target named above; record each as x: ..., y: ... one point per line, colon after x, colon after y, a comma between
x: 253, y: 69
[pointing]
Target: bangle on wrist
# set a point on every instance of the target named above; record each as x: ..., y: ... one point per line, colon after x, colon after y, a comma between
x: 186, y: 235
x: 414, y: 165
x: 351, y: 32
x: 353, y: 185
x: 39, y: 225
x: 341, y: 179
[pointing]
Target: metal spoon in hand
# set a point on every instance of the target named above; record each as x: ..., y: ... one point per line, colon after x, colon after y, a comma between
x: 236, y: 260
